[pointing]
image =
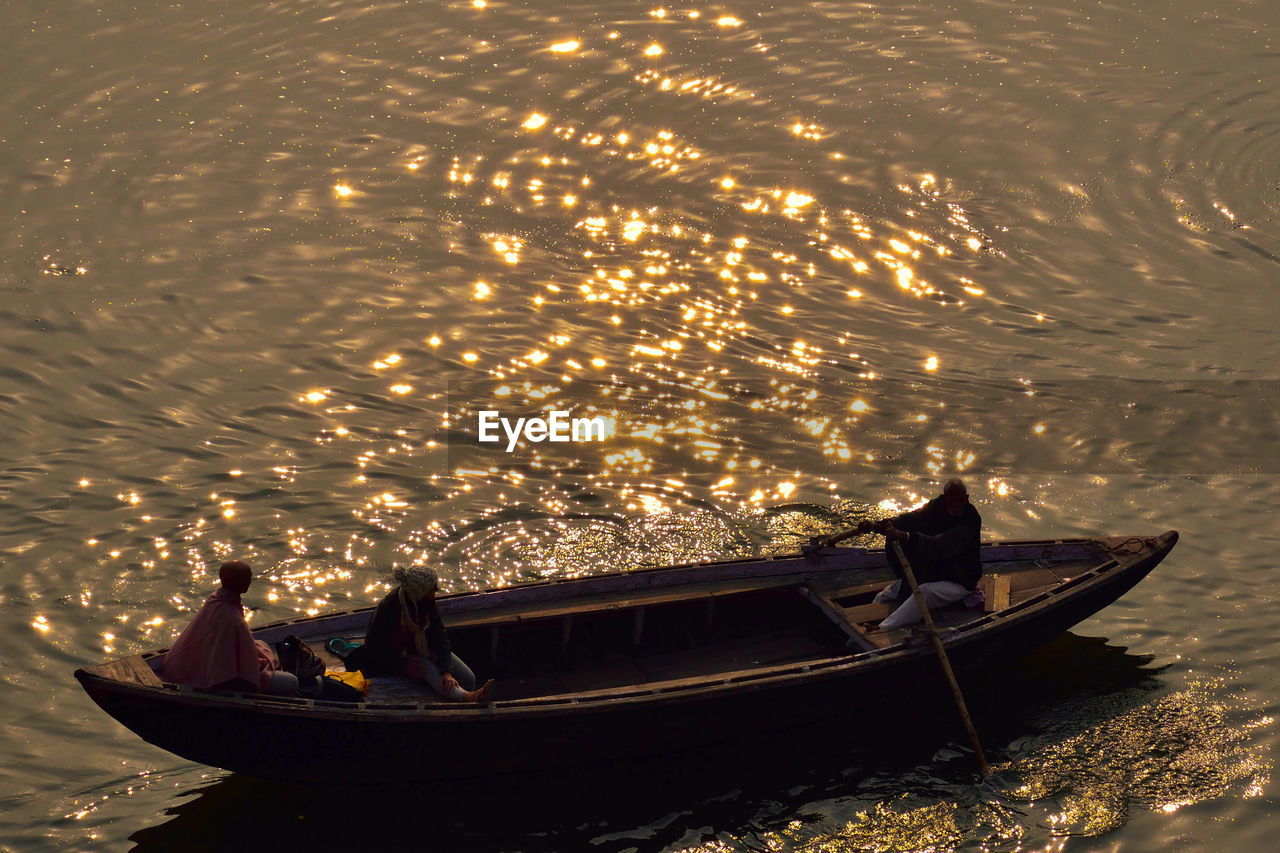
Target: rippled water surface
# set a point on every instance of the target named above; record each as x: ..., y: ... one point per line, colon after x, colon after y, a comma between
x: 264, y: 263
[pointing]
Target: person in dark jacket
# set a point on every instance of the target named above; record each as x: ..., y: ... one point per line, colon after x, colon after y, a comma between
x: 941, y: 540
x: 407, y: 637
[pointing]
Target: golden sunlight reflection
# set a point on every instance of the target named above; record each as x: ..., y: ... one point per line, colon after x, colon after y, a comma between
x: 1190, y: 747
x: 643, y: 263
x: 644, y: 259
x: 1193, y: 745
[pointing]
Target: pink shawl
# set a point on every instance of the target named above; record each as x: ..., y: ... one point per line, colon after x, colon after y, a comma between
x: 217, y: 647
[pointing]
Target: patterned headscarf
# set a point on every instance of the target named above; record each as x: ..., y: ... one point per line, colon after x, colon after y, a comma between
x: 416, y: 581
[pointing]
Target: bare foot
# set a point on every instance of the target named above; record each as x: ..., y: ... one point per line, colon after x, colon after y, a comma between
x: 481, y: 694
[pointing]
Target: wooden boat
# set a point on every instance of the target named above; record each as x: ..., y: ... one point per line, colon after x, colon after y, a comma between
x: 624, y: 665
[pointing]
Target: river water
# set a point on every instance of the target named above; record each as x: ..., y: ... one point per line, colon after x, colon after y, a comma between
x: 264, y: 263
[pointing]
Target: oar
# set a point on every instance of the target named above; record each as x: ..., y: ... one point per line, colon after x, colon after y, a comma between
x: 942, y: 657
x: 813, y: 550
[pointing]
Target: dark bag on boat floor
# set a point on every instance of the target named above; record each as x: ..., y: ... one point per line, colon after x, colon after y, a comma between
x: 299, y: 658
x: 360, y: 658
x: 331, y: 689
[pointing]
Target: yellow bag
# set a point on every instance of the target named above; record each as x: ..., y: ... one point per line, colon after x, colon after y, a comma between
x: 351, y: 679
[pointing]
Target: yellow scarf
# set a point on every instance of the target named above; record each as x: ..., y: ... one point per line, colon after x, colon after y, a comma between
x: 416, y: 631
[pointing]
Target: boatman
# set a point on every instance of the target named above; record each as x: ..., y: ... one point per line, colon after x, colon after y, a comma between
x: 216, y: 650
x: 941, y: 540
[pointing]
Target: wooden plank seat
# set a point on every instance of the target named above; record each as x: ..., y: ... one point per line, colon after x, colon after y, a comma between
x: 837, y: 615
x: 840, y: 590
x: 868, y: 614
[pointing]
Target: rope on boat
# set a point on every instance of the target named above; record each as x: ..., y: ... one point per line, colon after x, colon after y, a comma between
x: 1134, y: 545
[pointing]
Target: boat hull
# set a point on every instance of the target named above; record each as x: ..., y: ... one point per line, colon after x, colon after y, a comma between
x: 311, y: 742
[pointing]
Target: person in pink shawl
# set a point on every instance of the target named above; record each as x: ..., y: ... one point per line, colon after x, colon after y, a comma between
x: 217, y: 651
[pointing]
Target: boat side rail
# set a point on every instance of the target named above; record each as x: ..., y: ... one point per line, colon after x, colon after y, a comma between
x: 658, y: 578
x: 636, y: 603
x: 527, y: 595
x: 1021, y: 608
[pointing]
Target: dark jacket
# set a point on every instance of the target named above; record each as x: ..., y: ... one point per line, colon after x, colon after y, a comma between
x: 943, y: 548
x: 387, y: 643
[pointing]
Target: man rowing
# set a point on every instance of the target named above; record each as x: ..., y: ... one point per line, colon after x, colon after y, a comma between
x: 941, y: 541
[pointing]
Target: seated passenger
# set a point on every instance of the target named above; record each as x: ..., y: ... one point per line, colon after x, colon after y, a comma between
x: 217, y: 651
x: 407, y: 637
